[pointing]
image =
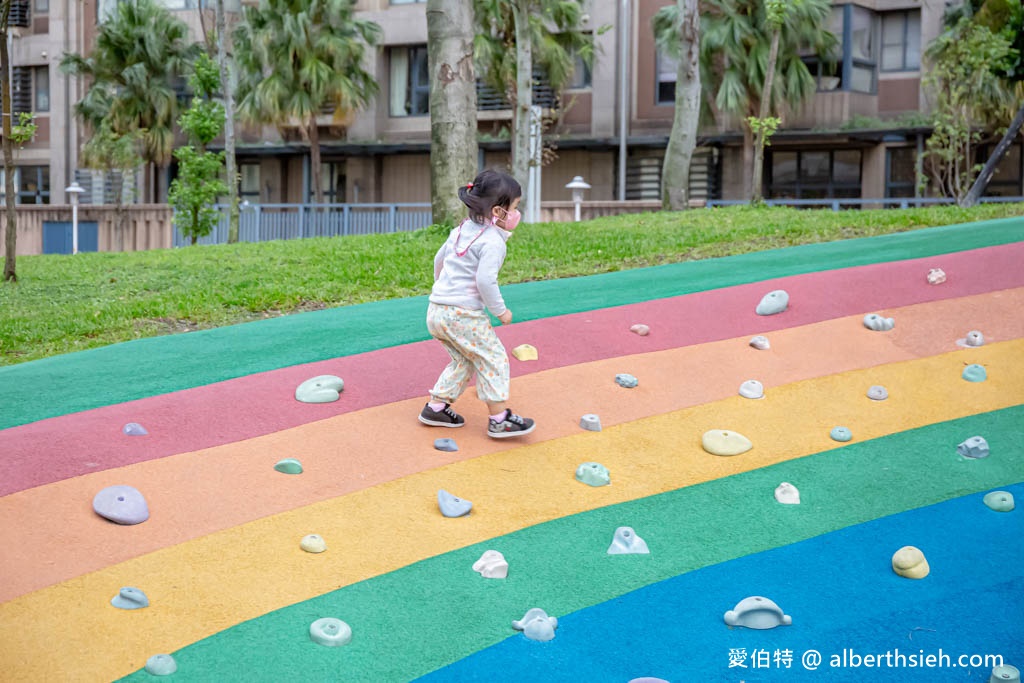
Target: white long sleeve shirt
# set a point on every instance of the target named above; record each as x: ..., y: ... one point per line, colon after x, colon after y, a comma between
x: 466, y: 268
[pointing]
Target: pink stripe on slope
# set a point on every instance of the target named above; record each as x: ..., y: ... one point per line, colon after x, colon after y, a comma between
x: 71, y: 445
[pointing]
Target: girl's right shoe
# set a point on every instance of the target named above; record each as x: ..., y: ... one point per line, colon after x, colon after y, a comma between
x: 446, y: 417
x: 512, y: 425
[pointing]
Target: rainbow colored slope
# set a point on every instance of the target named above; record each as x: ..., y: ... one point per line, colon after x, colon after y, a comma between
x: 232, y: 594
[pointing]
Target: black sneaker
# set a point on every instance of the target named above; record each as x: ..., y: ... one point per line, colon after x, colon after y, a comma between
x: 512, y: 425
x: 446, y: 417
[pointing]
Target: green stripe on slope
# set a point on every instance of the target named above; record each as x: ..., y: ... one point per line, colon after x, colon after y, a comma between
x: 432, y: 613
x: 158, y: 365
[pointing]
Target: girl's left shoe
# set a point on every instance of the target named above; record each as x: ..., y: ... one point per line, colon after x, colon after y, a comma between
x: 512, y: 425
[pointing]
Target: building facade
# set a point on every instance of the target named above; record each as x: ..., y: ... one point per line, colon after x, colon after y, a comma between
x: 846, y: 142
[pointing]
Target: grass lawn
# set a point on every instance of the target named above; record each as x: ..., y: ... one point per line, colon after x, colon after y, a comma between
x: 63, y: 303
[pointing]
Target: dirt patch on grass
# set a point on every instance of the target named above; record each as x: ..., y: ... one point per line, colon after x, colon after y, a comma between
x: 165, y: 325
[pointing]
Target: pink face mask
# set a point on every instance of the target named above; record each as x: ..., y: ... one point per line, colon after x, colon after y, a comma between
x: 510, y: 219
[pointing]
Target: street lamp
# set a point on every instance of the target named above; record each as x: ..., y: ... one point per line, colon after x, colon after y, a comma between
x: 577, y: 185
x: 74, y: 189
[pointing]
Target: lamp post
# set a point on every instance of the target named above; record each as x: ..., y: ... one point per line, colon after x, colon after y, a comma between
x: 74, y: 189
x: 577, y: 185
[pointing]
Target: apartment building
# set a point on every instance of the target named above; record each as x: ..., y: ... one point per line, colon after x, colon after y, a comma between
x: 832, y: 147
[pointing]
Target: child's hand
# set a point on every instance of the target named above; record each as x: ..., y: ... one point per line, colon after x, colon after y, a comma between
x: 505, y: 317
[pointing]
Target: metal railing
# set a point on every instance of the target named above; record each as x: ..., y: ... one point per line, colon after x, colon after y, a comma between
x: 837, y: 204
x: 263, y: 222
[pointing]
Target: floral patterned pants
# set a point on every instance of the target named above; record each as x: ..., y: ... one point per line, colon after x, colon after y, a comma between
x: 470, y: 340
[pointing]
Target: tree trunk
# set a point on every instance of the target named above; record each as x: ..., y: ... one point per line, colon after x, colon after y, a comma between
x: 11, y: 244
x: 523, y: 96
x: 757, y: 173
x: 675, y: 174
x: 229, y: 123
x: 314, y: 161
x: 453, y: 123
x: 748, y: 157
x: 982, y: 181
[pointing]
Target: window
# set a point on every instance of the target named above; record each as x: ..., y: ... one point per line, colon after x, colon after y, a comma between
x: 863, y: 50
x: 814, y: 174
x: 332, y: 180
x: 42, y: 88
x: 406, y: 2
x: 1006, y: 180
x: 901, y: 41
x: 581, y: 76
x: 41, y: 6
x: 249, y: 181
x: 410, y: 81
x: 900, y: 171
x: 31, y: 183
x: 665, y: 88
x: 855, y: 60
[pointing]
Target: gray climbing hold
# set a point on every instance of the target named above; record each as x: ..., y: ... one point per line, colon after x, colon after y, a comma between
x: 936, y: 276
x: 288, y: 466
x: 975, y: 447
x: 1004, y: 673
x: 161, y: 665
x: 641, y: 329
x: 537, y: 625
x: 134, y: 429
x: 773, y: 302
x: 593, y: 474
x: 973, y: 338
x: 752, y: 389
x: 974, y: 373
x: 321, y: 389
x: 313, y: 543
x: 121, y: 504
x: 1000, y: 501
x: 491, y: 565
x: 451, y: 506
x: 760, y: 342
x: 626, y: 542
x: 787, y: 494
x: 330, y: 632
x: 446, y: 445
x: 875, y: 322
x: 757, y: 612
x: 591, y: 422
x: 878, y: 393
x: 626, y: 380
x: 841, y: 434
x: 130, y: 598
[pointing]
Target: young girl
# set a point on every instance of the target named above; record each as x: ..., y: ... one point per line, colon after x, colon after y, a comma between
x: 465, y: 283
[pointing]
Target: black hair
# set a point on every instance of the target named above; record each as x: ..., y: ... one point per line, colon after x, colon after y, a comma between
x: 489, y: 189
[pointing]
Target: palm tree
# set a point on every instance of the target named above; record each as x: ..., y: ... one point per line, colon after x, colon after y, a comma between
x: 513, y: 37
x: 142, y: 53
x: 297, y: 57
x: 11, y: 220
x: 736, y: 42
x: 453, y: 122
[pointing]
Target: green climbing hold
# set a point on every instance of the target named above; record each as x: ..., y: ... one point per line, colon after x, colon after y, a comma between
x: 289, y: 466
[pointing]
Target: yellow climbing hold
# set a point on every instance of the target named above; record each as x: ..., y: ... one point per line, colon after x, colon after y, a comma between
x: 525, y: 352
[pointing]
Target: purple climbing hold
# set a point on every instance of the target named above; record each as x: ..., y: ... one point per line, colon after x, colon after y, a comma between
x: 134, y: 429
x: 121, y: 504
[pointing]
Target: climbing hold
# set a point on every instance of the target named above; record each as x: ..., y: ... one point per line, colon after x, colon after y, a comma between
x: 841, y: 434
x: 491, y: 565
x: 877, y: 393
x: 773, y: 302
x: 647, y: 679
x: 446, y: 444
x: 121, y: 504
x: 875, y: 322
x: 130, y: 598
x: 452, y: 506
x: 321, y: 389
x: 1000, y: 501
x: 758, y: 613
x: 288, y: 466
x: 721, y: 442
x: 626, y: 380
x: 626, y: 542
x: 787, y: 494
x: 760, y: 342
x: 974, y: 447
x: 525, y: 352
x: 591, y: 422
x: 330, y: 632
x: 909, y: 562
x: 312, y: 543
x: 593, y: 474
x: 752, y: 389
x: 974, y: 373
x: 641, y: 329
x: 134, y: 429
x: 973, y: 338
x: 936, y: 276
x: 1004, y: 673
x: 537, y: 625
x: 161, y: 665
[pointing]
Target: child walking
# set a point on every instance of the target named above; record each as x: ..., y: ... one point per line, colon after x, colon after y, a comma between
x: 465, y: 284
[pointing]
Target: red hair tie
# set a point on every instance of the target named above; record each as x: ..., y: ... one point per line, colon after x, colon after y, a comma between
x: 469, y: 186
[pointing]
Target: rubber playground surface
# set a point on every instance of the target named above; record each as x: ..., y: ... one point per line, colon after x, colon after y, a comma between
x: 232, y: 595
